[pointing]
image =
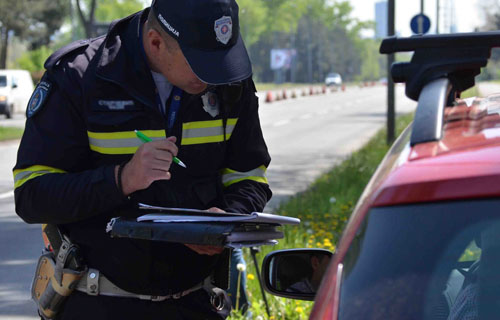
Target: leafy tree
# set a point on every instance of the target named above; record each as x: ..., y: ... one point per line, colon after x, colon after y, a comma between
x: 323, y: 33
x: 252, y: 17
x: 491, y: 22
x: 370, y: 68
x: 104, y: 11
x: 31, y: 20
x: 87, y: 19
x: 33, y: 60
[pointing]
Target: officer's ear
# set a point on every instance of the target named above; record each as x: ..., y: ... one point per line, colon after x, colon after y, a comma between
x: 155, y: 41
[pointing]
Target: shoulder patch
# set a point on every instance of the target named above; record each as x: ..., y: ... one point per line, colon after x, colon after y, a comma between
x: 38, y: 98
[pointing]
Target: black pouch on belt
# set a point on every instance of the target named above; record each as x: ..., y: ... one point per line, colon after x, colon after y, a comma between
x: 56, y: 277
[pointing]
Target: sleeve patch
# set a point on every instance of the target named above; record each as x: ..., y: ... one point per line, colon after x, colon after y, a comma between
x: 38, y: 98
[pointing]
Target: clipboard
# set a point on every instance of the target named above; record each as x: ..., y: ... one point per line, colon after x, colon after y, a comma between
x: 231, y: 235
x: 191, y: 226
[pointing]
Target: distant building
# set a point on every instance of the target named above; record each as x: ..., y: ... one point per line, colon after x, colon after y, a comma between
x: 381, y: 19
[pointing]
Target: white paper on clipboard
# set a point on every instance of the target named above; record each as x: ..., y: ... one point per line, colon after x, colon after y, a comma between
x: 205, y: 216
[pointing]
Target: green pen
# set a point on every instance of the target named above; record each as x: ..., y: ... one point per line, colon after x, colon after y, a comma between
x: 144, y: 138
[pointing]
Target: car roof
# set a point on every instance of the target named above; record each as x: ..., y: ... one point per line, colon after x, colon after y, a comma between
x: 464, y: 163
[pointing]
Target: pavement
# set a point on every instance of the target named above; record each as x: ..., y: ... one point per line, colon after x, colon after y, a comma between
x: 488, y: 88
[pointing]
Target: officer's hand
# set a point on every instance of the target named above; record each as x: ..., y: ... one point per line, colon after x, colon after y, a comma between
x: 150, y: 162
x: 203, y: 249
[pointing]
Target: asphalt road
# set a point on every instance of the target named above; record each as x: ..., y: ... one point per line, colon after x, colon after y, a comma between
x: 309, y: 135
x: 305, y: 136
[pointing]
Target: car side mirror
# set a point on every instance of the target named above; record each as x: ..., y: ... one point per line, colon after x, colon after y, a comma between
x: 295, y: 273
x: 14, y: 85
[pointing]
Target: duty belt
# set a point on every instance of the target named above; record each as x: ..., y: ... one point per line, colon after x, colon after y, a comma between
x: 94, y: 283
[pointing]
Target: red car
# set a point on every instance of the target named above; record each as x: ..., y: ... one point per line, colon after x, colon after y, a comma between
x: 424, y: 239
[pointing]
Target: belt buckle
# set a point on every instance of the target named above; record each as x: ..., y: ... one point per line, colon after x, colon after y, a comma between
x: 157, y: 298
x: 177, y: 295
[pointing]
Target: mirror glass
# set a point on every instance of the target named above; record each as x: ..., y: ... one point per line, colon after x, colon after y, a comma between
x: 298, y: 272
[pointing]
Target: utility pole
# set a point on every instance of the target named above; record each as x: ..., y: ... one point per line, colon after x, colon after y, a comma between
x: 309, y: 47
x: 390, y: 81
x: 437, y: 16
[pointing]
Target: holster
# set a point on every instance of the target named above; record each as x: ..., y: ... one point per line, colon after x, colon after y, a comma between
x: 56, y: 277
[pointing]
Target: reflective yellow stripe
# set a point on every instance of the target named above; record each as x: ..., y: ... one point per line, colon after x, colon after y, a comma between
x: 123, y: 142
x: 208, y: 124
x: 199, y: 132
x: 23, y: 175
x: 108, y: 150
x: 200, y: 140
x: 125, y: 134
x: 230, y: 176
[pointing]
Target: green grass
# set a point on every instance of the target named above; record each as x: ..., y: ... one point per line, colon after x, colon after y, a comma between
x: 9, y: 133
x: 472, y: 92
x: 323, y: 209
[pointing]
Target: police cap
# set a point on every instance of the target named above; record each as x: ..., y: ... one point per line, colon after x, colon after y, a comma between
x: 208, y: 34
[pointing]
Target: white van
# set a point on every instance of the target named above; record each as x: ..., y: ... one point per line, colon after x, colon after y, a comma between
x: 16, y: 87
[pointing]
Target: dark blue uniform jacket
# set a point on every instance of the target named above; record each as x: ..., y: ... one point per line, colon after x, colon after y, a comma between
x: 81, y: 124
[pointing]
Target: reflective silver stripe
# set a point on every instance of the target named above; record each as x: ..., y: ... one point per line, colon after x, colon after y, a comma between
x: 25, y: 174
x: 231, y: 176
x: 122, y: 142
x: 206, y: 132
x: 115, y: 143
x: 200, y: 132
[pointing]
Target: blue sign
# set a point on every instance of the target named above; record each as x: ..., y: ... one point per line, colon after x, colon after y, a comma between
x: 420, y: 23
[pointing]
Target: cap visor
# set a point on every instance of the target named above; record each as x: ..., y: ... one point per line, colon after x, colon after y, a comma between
x: 220, y: 66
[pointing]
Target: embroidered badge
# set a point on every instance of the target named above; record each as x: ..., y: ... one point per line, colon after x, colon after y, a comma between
x: 210, y: 104
x: 38, y: 98
x: 223, y: 29
x: 116, y: 104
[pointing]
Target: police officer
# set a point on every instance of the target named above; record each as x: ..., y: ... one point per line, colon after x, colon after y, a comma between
x: 180, y: 73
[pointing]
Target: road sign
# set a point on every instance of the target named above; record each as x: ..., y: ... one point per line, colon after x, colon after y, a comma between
x: 420, y: 23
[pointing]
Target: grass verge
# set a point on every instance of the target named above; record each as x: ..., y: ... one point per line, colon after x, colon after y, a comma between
x: 472, y: 92
x: 323, y: 209
x: 9, y: 133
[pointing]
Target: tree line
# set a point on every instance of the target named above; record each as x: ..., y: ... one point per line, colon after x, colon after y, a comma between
x: 323, y: 33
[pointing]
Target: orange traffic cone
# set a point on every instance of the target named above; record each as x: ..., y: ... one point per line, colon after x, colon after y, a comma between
x: 269, y: 97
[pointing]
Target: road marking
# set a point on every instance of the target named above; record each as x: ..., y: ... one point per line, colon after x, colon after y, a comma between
x: 17, y: 262
x: 281, y: 123
x: 306, y: 116
x: 7, y: 194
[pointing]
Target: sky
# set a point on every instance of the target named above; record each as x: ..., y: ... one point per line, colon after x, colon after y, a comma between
x: 468, y: 13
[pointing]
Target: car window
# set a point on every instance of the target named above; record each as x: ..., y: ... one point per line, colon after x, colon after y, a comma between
x: 3, y: 81
x: 428, y: 261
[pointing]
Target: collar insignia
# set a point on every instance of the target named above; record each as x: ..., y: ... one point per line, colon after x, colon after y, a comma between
x: 210, y: 103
